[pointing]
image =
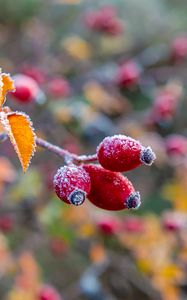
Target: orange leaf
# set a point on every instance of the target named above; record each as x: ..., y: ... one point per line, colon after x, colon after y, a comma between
x: 20, y: 131
x: 6, y: 85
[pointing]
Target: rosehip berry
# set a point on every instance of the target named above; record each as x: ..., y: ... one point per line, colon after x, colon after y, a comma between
x: 49, y: 293
x: 59, y: 87
x: 72, y: 184
x: 176, y: 145
x: 111, y: 190
x: 128, y: 74
x: 27, y: 88
x: 121, y: 153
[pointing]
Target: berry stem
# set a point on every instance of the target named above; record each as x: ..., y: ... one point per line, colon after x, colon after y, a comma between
x: 68, y: 157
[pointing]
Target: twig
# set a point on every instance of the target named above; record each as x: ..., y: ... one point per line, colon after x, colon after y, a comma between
x: 68, y: 157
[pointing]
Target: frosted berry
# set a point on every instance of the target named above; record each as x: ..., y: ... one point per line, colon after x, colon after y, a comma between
x: 27, y: 89
x: 121, y: 153
x: 128, y: 74
x: 111, y: 190
x: 48, y: 292
x: 72, y: 184
x: 59, y: 87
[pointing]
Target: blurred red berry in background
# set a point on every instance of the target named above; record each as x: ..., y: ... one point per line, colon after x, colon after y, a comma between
x: 179, y: 48
x: 49, y: 293
x: 176, y: 145
x: 59, y: 88
x: 6, y: 223
x: 27, y: 89
x: 128, y: 74
x: 34, y: 72
x: 104, y: 20
x: 108, y: 225
x: 133, y: 224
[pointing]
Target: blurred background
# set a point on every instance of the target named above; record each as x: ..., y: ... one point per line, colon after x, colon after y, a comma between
x: 85, y: 70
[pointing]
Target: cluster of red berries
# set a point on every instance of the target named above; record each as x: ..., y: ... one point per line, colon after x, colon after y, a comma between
x: 104, y: 20
x: 102, y: 184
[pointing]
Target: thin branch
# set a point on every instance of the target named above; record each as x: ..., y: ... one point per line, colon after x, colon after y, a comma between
x: 66, y: 155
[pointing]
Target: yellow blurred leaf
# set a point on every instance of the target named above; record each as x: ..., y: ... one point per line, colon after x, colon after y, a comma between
x: 171, y: 272
x: 86, y: 230
x: 101, y: 99
x: 77, y: 47
x: 19, y: 294
x: 21, y: 134
x: 177, y: 194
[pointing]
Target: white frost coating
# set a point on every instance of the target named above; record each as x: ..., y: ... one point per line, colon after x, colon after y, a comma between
x: 64, y: 178
x: 108, y: 144
x: 7, y: 127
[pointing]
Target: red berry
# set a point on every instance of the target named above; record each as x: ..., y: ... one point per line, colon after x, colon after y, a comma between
x: 121, y: 153
x: 108, y: 225
x: 128, y: 74
x: 104, y: 20
x: 34, y: 72
x: 49, y: 293
x: 173, y: 221
x: 27, y: 88
x: 164, y: 107
x: 133, y: 225
x: 6, y: 223
x: 58, y: 246
x: 72, y: 184
x: 179, y: 48
x: 59, y: 87
x: 176, y: 145
x: 111, y: 190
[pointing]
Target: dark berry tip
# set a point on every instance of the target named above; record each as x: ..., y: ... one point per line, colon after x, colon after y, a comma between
x: 147, y: 156
x: 77, y: 197
x: 133, y: 201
